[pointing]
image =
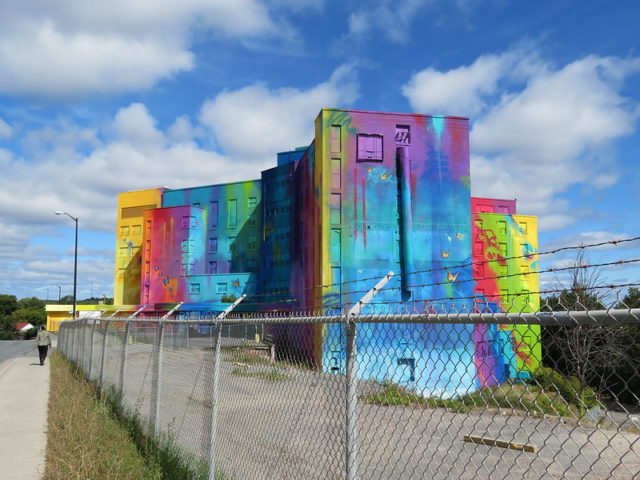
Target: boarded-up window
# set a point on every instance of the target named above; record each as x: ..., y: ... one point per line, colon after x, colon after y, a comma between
x: 403, y: 135
x: 213, y: 215
x: 369, y: 147
x: 335, y: 243
x: 132, y: 212
x: 336, y: 174
x: 523, y: 227
x: 336, y: 144
x: 334, y: 209
x: 232, y: 213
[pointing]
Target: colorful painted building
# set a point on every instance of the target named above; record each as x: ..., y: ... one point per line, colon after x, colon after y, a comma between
x: 374, y: 192
x: 131, y: 208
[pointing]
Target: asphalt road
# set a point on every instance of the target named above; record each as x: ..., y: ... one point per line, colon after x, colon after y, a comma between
x: 16, y: 348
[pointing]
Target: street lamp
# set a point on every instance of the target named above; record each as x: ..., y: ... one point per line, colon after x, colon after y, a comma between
x: 75, y: 259
x: 59, y: 293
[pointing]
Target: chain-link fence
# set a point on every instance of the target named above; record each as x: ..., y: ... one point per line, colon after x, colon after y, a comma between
x: 549, y: 394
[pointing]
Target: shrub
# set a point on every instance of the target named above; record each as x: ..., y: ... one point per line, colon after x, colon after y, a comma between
x: 29, y: 334
x: 570, y: 389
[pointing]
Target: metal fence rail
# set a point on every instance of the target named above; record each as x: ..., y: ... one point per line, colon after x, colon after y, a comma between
x: 382, y: 395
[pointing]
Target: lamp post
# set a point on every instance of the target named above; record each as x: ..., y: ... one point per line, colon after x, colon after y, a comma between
x: 75, y: 260
x: 59, y: 293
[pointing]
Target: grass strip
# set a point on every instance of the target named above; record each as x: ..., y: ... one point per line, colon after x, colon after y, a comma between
x: 90, y: 436
x: 530, y: 399
x: 272, y: 375
x: 83, y: 440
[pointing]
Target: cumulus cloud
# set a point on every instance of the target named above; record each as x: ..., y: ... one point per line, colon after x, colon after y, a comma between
x: 254, y: 122
x: 539, y: 128
x: 5, y: 130
x: 461, y: 91
x: 392, y: 18
x: 72, y: 48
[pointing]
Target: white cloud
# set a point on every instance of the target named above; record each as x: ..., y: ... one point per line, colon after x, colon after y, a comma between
x: 392, y: 17
x: 462, y: 91
x: 255, y: 122
x: 5, y: 130
x: 539, y: 129
x: 71, y: 48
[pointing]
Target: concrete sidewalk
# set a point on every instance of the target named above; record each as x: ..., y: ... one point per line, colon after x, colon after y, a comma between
x: 24, y: 394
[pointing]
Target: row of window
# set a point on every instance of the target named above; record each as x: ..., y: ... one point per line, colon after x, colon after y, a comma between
x: 194, y: 288
x: 232, y: 212
x: 252, y: 244
x: 502, y: 226
x: 126, y: 230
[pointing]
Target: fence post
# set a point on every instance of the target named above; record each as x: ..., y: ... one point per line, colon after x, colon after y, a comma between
x: 93, y: 330
x: 83, y: 363
x: 123, y: 367
x: 352, y: 400
x: 351, y: 432
x: 73, y: 342
x: 216, y: 378
x: 156, y: 382
x: 104, y: 352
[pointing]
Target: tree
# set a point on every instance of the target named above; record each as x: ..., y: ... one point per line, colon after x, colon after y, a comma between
x: 591, y: 353
x: 66, y: 300
x: 34, y: 316
x: 631, y: 299
x: 8, y: 304
x: 30, y: 302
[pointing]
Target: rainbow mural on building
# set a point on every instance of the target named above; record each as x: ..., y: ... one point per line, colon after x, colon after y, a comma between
x: 373, y: 192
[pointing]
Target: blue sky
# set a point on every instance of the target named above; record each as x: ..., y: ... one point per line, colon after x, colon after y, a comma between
x: 97, y: 98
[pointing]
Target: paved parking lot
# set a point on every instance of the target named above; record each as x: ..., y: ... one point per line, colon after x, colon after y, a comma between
x: 285, y: 422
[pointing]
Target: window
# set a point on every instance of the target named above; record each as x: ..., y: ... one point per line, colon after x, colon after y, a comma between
x: 136, y: 230
x: 232, y: 213
x: 523, y: 227
x: 213, y: 244
x: 369, y: 147
x: 403, y: 135
x: 213, y: 267
x: 334, y: 209
x: 336, y: 173
x: 252, y: 243
x: 194, y: 288
x: 213, y: 214
x: 124, y: 231
x: 252, y: 202
x: 336, y: 144
x: 221, y: 288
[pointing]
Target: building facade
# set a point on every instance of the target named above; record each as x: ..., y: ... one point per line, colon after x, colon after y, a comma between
x: 374, y: 192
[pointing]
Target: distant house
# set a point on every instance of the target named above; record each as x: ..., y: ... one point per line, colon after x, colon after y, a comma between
x: 22, y: 327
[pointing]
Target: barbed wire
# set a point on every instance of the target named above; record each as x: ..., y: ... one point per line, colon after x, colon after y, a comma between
x: 500, y: 277
x: 474, y: 263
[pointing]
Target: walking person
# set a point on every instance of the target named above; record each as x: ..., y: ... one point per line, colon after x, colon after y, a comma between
x: 43, y: 340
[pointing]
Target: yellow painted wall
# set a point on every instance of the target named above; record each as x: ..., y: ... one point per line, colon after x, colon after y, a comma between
x: 56, y: 314
x: 129, y: 237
